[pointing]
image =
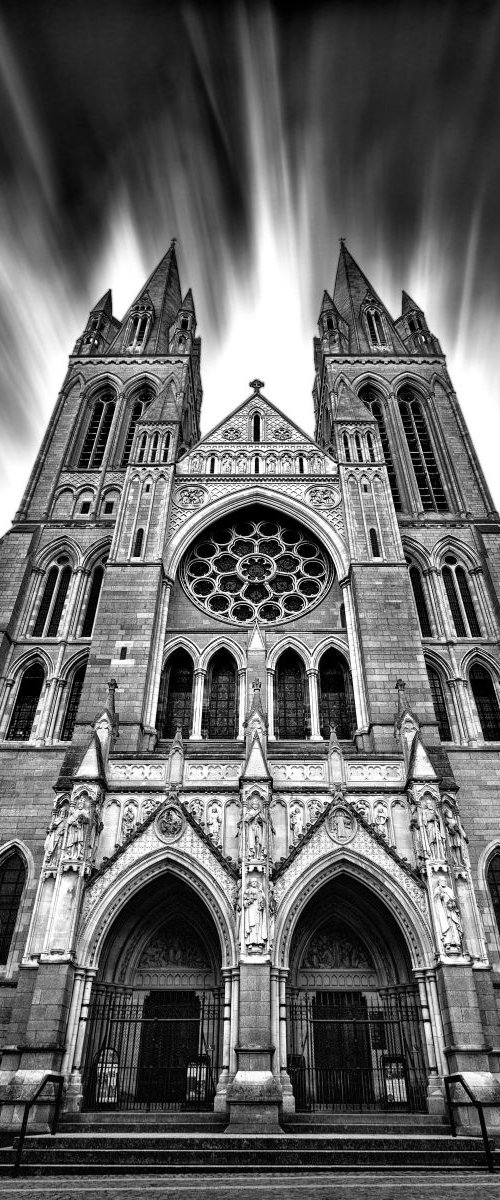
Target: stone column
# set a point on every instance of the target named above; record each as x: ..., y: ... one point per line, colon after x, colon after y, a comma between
x: 270, y: 704
x: 358, y: 683
x: 74, y: 1014
x: 220, y: 1097
x: 288, y: 1096
x: 74, y: 1088
x: 199, y: 685
x: 241, y: 702
x: 437, y: 1024
x: 312, y: 675
x: 235, y: 1005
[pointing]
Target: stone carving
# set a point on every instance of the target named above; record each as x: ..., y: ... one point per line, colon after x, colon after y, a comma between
x: 255, y: 829
x: 77, y: 825
x: 191, y: 497
x: 362, y: 807
x: 341, y: 825
x: 282, y: 433
x: 433, y: 830
x: 170, y: 823
x: 213, y: 772
x: 448, y: 918
x: 214, y: 823
x: 381, y: 820
x: 170, y: 949
x: 196, y: 464
x: 226, y: 465
x: 196, y: 808
x: 296, y: 823
x: 255, y: 924
x: 55, y: 837
x: 298, y: 772
x: 317, y: 807
x: 128, y: 820
x: 335, y: 947
x: 232, y: 434
x: 457, y: 838
x: 375, y: 772
x: 323, y: 497
x: 150, y: 772
x: 149, y: 806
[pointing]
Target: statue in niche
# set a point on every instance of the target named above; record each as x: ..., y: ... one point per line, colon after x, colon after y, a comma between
x: 433, y: 830
x: 195, y: 807
x: 316, y: 807
x: 273, y: 907
x: 149, y: 806
x: 448, y: 916
x: 78, y: 823
x: 457, y: 838
x: 255, y: 916
x: 381, y: 820
x: 255, y: 828
x: 128, y: 820
x: 55, y: 837
x: 214, y: 823
x: 362, y: 808
x: 296, y: 822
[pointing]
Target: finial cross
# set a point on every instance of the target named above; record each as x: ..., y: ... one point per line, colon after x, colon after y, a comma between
x: 256, y: 384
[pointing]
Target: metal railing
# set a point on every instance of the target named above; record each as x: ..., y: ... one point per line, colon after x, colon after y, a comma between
x: 58, y: 1081
x: 478, y: 1105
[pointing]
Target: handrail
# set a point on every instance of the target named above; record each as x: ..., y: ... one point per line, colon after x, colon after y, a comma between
x: 477, y: 1105
x: 52, y: 1077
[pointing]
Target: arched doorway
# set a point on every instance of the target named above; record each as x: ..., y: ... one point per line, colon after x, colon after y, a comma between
x: 354, y: 1027
x: 154, y: 1026
x: 219, y: 709
x: 291, y: 713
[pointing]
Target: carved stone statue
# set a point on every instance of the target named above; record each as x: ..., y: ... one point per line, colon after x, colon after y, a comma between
x: 255, y: 828
x: 433, y: 830
x: 55, y: 837
x: 128, y: 820
x: 448, y: 916
x: 78, y: 822
x: 170, y: 822
x: 214, y: 822
x: 255, y: 916
x: 296, y: 822
x: 381, y: 820
x: 341, y: 824
x: 457, y: 838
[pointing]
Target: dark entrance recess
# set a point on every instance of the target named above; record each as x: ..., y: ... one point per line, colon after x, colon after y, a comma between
x: 291, y: 714
x: 175, y: 696
x: 353, y: 1051
x: 336, y: 699
x: 152, y: 1050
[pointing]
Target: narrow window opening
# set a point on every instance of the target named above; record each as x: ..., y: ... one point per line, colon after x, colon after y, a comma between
x: 453, y: 601
x: 342, y: 616
x: 257, y: 428
x: 212, y: 466
x: 470, y: 612
x: 301, y: 464
x: 370, y: 398
x: 96, y: 438
x: 12, y: 880
x: 142, y: 448
x: 422, y: 455
x: 184, y: 323
x: 139, y: 538
x: 420, y: 602
x: 359, y: 450
x: 166, y: 448
x: 175, y: 696
x: 92, y: 602
x: 493, y: 880
x: 154, y: 447
x: 60, y: 597
x: 108, y: 507
x: 371, y: 448
x: 439, y: 703
x: 347, y: 449
x: 85, y: 506
x: 336, y: 701
x: 256, y: 465
x: 374, y: 543
x: 123, y: 652
x: 24, y: 711
x: 488, y: 709
x: 73, y: 704
x: 329, y: 323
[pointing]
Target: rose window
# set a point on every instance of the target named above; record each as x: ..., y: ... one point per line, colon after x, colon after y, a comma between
x: 261, y: 569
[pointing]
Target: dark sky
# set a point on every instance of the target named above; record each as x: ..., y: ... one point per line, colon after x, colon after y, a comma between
x: 257, y: 135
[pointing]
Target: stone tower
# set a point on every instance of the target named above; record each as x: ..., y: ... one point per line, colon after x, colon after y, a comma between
x: 249, y: 729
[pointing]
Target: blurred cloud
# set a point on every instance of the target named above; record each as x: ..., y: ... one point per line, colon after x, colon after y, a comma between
x: 257, y: 134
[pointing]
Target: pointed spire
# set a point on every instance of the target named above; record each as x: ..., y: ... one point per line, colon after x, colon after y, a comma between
x: 336, y: 764
x: 106, y: 724
x: 327, y: 303
x: 161, y: 296
x: 408, y: 305
x: 92, y: 768
x: 349, y: 406
x: 105, y: 304
x: 176, y: 755
x: 351, y: 293
x: 256, y: 763
x: 188, y: 302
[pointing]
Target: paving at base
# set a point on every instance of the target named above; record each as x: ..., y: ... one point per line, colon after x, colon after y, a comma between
x: 238, y: 1187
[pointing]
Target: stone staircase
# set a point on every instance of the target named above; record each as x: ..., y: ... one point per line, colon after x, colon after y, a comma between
x: 197, y: 1143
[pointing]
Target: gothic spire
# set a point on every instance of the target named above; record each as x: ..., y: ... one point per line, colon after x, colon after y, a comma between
x: 158, y: 302
x: 355, y: 297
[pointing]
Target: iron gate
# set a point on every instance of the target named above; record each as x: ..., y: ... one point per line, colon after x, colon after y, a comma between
x: 152, y: 1050
x: 355, y: 1050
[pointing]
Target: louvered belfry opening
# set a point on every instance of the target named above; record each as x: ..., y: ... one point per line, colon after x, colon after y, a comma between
x: 219, y: 718
x: 290, y: 695
x: 336, y: 701
x: 176, y: 696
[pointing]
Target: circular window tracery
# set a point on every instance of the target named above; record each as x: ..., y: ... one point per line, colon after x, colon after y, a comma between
x: 244, y: 570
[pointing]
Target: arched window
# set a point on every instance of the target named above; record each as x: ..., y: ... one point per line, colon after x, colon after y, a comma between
x: 92, y: 600
x: 140, y: 404
x: 23, y: 713
x: 439, y: 702
x: 52, y: 599
x: 336, y: 701
x: 175, y: 696
x: 96, y: 437
x: 139, y: 538
x: 301, y: 464
x: 74, y: 696
x: 488, y: 708
x: 166, y: 448
x: 372, y: 400
x: 154, y: 447
x: 219, y: 717
x: 493, y: 881
x: 257, y: 428
x: 142, y: 448
x: 375, y: 327
x: 460, y: 599
x: 421, y: 452
x: 329, y: 323
x: 371, y: 448
x: 12, y: 880
x: 375, y: 548
x: 212, y: 466
x: 347, y: 448
x: 359, y: 448
x: 291, y: 716
x: 420, y: 602
x: 139, y: 327
x: 256, y: 465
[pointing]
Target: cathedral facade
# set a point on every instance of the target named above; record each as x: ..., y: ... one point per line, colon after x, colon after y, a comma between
x: 250, y: 731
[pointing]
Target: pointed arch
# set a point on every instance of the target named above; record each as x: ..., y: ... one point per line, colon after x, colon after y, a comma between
x: 222, y: 642
x: 220, y: 708
x: 26, y: 703
x: 14, y: 879
x: 60, y: 545
x: 438, y: 687
x: 335, y: 695
x: 175, y: 697
x: 289, y: 642
x: 291, y: 708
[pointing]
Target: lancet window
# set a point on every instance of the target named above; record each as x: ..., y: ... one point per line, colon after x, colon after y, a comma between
x: 292, y: 718
x: 52, y: 599
x: 420, y: 601
x: 140, y: 404
x: 439, y: 702
x: 422, y: 455
x: 372, y: 400
x: 94, y: 593
x: 460, y: 599
x: 493, y: 881
x: 98, y: 428
x: 176, y: 696
x: 487, y: 706
x: 220, y: 716
x: 336, y: 700
x: 26, y: 703
x: 12, y: 881
x: 73, y: 701
x: 376, y: 330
